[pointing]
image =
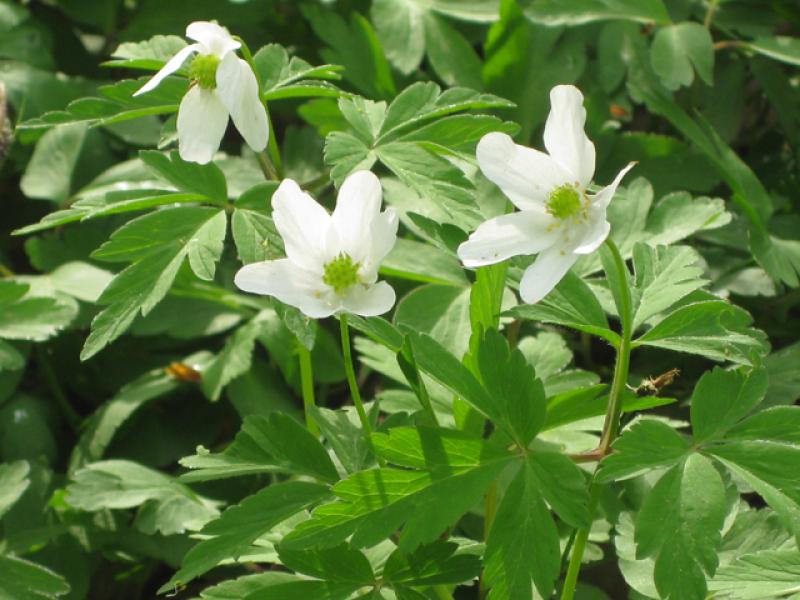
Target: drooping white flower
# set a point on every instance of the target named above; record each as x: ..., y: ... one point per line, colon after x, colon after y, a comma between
x: 222, y: 84
x: 557, y: 218
x: 332, y: 260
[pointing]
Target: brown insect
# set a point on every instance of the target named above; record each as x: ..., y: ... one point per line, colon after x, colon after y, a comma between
x: 618, y: 111
x: 654, y: 385
x: 183, y: 372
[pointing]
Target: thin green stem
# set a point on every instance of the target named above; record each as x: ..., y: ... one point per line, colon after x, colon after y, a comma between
x: 70, y: 414
x: 611, y: 424
x: 353, y: 383
x: 578, y: 548
x: 442, y: 593
x: 307, y: 386
x: 712, y: 8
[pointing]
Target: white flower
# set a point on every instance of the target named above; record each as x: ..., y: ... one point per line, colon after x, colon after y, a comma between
x: 332, y: 260
x: 557, y: 218
x: 222, y: 84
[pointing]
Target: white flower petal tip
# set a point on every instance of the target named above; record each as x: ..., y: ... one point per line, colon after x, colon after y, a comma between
x: 237, y: 88
x: 544, y: 274
x: 498, y: 239
x: 214, y: 38
x: 202, y: 120
x: 564, y: 135
x: 604, y: 197
x: 172, y: 65
x: 332, y: 260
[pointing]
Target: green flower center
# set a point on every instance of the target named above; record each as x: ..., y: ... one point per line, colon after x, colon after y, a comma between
x: 564, y: 202
x: 203, y: 70
x: 341, y: 273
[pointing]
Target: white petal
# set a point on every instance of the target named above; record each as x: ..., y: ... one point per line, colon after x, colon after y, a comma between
x: 202, y: 120
x: 213, y: 38
x: 596, y: 231
x: 383, y: 236
x: 289, y: 284
x: 603, y: 197
x: 173, y: 64
x: 564, y: 136
x: 515, y: 234
x: 369, y: 301
x: 357, y: 206
x: 303, y: 225
x: 238, y: 89
x: 545, y: 273
x: 525, y: 175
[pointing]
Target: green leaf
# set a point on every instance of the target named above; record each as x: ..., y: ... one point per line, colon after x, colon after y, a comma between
x: 452, y: 57
x: 24, y: 316
x: 779, y: 47
x: 572, y: 304
x: 284, y: 77
x: 240, y: 525
x: 206, y: 180
x: 116, y: 105
x: 722, y: 398
x: 233, y: 360
x: 340, y: 563
x: 646, y: 445
x: 49, y: 173
x: 150, y: 54
x: 765, y: 574
x: 662, y: 276
x: 418, y: 261
x: 680, y: 524
x: 157, y: 243
x: 585, y: 402
x: 433, y: 564
x: 771, y: 469
x: 255, y: 236
x: 563, y: 486
x: 434, y: 448
x: 24, y: 580
x: 304, y: 589
x: 517, y: 395
x: 342, y: 429
x: 439, y: 311
x: 376, y: 503
x: 779, y: 423
x: 784, y: 377
x: 578, y: 12
x: 102, y: 425
x: 678, y: 48
x: 399, y: 25
x: 11, y: 359
x: 523, y: 544
x: 265, y: 444
x: 166, y: 506
x: 712, y: 328
x: 13, y: 483
x: 355, y: 46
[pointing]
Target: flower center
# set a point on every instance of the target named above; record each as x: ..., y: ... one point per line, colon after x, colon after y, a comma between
x: 564, y: 202
x: 341, y: 273
x: 203, y: 70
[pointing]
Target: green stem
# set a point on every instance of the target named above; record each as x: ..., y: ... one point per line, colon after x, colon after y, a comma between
x: 351, y: 381
x: 442, y: 593
x: 307, y: 386
x: 70, y: 414
x: 611, y: 424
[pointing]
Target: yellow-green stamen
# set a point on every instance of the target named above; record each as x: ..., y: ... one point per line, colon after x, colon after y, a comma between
x: 564, y: 202
x: 203, y: 70
x: 341, y: 273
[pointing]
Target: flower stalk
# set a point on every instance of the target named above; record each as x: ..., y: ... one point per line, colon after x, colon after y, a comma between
x: 611, y: 423
x: 307, y: 386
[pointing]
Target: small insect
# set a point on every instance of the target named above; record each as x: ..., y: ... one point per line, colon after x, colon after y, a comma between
x: 618, y: 111
x: 654, y: 385
x: 183, y: 372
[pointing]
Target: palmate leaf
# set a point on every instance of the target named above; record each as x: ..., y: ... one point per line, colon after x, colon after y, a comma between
x: 157, y: 244
x: 712, y: 328
x: 523, y: 544
x: 240, y: 525
x: 374, y: 504
x: 24, y: 316
x: 285, y: 77
x: 340, y: 563
x: 432, y: 564
x: 166, y: 505
x: 680, y: 524
x: 767, y: 574
x: 265, y: 444
x: 680, y: 50
x: 662, y: 276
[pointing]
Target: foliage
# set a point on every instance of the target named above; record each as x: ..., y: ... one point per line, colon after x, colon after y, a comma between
x: 636, y: 430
